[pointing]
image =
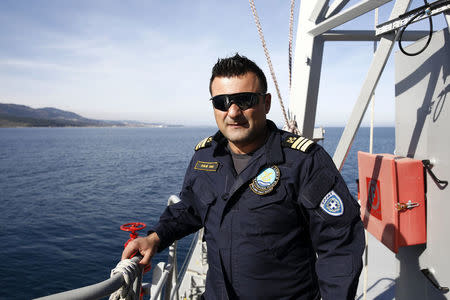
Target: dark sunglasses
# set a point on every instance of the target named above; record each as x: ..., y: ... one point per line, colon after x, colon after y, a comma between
x: 242, y: 100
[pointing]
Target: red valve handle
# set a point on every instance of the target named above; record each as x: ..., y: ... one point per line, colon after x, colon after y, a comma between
x: 132, y: 227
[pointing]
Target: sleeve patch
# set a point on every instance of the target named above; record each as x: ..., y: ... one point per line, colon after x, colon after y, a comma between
x: 332, y: 204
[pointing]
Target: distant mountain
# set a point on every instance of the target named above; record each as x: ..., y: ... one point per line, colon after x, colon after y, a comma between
x: 13, y: 115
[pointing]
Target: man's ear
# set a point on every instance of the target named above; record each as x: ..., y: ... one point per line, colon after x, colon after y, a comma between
x: 267, y: 102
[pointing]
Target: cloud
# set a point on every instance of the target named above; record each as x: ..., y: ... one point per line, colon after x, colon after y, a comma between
x: 152, y: 60
x: 107, y: 76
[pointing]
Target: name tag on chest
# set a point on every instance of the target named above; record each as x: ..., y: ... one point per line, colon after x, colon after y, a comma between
x: 206, y: 166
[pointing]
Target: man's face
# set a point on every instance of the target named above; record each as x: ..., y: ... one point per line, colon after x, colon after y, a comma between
x: 244, y: 129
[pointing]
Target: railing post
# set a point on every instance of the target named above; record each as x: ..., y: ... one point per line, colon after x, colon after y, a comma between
x: 137, y: 284
x: 172, y: 280
x: 157, y: 281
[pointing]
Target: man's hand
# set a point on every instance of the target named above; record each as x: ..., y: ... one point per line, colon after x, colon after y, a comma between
x: 146, y: 246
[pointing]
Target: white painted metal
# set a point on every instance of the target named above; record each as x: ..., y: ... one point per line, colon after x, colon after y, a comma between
x: 94, y: 291
x: 422, y: 124
x: 447, y: 19
x: 368, y: 35
x: 376, y: 68
x: 192, y: 284
x: 157, y: 280
x: 161, y: 280
x: 336, y: 7
x: 172, y: 260
x: 173, y: 271
x: 306, y: 72
x: 401, y: 22
x: 347, y: 15
x: 318, y: 134
x: 319, y: 10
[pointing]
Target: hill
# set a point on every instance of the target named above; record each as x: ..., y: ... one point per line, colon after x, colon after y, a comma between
x: 13, y: 115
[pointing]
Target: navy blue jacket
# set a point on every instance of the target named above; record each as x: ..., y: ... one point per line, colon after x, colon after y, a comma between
x: 285, y: 244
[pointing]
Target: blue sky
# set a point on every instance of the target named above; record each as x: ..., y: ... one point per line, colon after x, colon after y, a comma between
x: 151, y: 60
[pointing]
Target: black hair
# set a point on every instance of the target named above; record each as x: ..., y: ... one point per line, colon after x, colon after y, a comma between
x: 236, y: 66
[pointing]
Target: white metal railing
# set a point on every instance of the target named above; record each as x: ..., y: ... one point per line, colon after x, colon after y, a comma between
x: 168, y: 270
x: 182, y: 271
x: 111, y: 285
x: 95, y: 291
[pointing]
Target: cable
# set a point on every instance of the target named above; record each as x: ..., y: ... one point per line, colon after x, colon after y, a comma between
x: 426, y: 10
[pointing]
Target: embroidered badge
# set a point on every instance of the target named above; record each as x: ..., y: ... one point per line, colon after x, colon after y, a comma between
x: 332, y: 204
x: 206, y: 166
x: 265, y: 181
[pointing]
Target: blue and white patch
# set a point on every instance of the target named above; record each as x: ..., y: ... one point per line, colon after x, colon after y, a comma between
x: 265, y: 181
x: 332, y: 204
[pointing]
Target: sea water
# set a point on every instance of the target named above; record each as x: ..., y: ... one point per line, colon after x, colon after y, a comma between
x: 64, y: 192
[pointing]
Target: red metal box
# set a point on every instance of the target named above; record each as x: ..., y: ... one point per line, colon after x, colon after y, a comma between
x: 392, y: 195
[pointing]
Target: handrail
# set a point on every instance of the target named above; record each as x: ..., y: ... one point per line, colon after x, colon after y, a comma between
x: 165, y: 275
x: 171, y: 261
x: 109, y: 286
x: 184, y: 267
x: 94, y: 291
x: 188, y: 257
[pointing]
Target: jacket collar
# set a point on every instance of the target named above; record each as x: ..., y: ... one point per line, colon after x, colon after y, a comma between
x: 272, y: 147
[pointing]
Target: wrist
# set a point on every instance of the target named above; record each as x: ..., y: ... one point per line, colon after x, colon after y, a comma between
x: 154, y: 239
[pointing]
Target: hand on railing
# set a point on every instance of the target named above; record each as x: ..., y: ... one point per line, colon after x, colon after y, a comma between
x: 130, y: 271
x: 146, y: 246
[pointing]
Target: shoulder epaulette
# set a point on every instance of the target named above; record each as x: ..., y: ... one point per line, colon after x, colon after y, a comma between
x: 298, y: 143
x: 204, y: 143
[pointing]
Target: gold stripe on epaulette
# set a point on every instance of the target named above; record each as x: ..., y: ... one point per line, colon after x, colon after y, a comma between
x: 300, y: 145
x: 306, y: 145
x: 297, y: 142
x: 203, y: 143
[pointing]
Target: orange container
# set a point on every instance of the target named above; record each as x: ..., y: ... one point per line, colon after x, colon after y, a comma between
x: 392, y: 195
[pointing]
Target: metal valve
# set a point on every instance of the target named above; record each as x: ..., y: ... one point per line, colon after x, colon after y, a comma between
x: 405, y: 206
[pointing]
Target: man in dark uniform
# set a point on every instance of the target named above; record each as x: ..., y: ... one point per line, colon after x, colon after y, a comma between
x: 279, y: 220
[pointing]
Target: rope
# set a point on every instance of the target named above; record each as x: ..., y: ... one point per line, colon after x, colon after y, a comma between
x: 291, y: 33
x: 290, y: 124
x: 130, y: 271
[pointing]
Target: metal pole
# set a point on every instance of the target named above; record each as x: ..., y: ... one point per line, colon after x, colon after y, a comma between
x: 447, y: 19
x: 378, y: 63
x: 306, y: 71
x: 336, y: 7
x: 368, y: 35
x: 347, y: 15
x: 91, y: 292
